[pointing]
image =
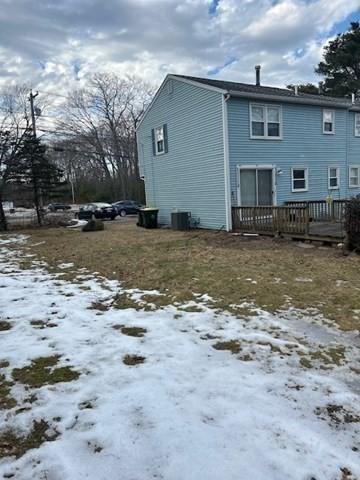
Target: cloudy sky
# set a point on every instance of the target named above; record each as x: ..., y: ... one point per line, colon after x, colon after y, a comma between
x: 56, y: 44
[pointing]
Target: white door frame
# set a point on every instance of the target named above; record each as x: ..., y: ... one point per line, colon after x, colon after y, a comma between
x: 258, y: 166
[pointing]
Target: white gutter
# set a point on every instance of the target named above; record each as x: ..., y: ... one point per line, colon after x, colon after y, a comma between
x: 226, y: 163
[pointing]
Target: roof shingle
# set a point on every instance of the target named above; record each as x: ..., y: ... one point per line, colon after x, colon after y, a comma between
x: 271, y: 91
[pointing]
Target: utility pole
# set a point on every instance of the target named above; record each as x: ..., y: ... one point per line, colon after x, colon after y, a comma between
x: 38, y: 193
x: 31, y: 99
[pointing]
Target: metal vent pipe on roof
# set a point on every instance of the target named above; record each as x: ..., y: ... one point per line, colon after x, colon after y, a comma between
x: 257, y: 70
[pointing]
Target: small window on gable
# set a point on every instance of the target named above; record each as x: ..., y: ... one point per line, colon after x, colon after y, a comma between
x: 299, y: 179
x: 357, y: 124
x: 159, y: 139
x: 354, y: 176
x: 328, y: 121
x: 265, y: 121
x: 334, y: 178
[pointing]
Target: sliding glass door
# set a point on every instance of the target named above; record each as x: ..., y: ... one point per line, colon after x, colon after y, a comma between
x: 256, y: 186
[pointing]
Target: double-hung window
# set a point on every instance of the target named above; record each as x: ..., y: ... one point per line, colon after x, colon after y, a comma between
x: 357, y: 124
x: 354, y: 176
x: 328, y: 121
x: 265, y: 121
x: 334, y: 178
x: 299, y: 179
x: 159, y: 140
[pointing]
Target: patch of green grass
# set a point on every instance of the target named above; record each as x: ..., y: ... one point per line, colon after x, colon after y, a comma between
x: 38, y: 324
x: 102, y: 307
x: 43, y: 371
x: 133, y: 331
x: 233, y: 346
x: 132, y: 360
x: 337, y: 414
x: 191, y: 308
x: 124, y: 301
x: 6, y: 400
x: 4, y: 325
x: 326, y: 357
x: 12, y: 443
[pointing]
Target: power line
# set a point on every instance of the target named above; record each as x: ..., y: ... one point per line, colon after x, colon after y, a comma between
x: 54, y: 94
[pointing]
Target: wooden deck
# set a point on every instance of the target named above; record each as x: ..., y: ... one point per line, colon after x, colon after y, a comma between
x: 327, y: 229
x: 295, y: 221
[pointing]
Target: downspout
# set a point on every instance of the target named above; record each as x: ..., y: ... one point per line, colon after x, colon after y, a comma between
x: 225, y: 98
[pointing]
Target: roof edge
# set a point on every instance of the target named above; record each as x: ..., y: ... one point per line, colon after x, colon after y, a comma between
x: 299, y: 100
x: 172, y: 76
x: 197, y: 84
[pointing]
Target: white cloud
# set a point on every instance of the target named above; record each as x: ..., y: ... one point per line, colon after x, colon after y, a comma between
x: 57, y: 45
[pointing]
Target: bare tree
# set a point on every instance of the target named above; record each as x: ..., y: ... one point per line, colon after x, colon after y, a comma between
x: 14, y: 125
x: 101, y: 121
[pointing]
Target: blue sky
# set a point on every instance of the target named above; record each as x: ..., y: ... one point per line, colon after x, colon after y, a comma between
x: 344, y: 24
x: 59, y: 45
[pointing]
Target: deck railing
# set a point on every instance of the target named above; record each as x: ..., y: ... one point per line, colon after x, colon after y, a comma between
x: 321, y: 210
x: 262, y: 219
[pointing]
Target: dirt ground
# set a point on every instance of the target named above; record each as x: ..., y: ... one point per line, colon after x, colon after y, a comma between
x: 234, y: 270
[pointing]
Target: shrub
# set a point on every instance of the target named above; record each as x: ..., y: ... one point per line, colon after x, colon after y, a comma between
x: 352, y: 223
x: 93, y: 226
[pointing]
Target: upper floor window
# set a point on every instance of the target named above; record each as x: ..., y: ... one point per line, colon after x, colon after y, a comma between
x: 299, y: 179
x: 328, y: 121
x: 357, y: 124
x: 334, y: 177
x: 159, y: 140
x: 265, y: 121
x: 354, y: 176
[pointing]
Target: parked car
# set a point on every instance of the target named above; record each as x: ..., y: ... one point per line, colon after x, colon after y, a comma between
x: 126, y: 207
x: 55, y: 207
x: 97, y: 210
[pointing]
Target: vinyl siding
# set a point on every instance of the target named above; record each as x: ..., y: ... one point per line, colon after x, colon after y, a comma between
x: 303, y: 144
x: 353, y: 149
x: 190, y: 177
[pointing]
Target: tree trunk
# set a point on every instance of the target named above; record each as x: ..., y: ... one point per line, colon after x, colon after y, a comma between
x: 3, y: 222
x: 37, y: 203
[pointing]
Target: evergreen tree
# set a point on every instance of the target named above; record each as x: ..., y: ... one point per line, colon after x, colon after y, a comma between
x: 34, y: 170
x: 341, y: 63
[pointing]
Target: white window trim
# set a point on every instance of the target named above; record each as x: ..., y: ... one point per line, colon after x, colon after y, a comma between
x: 333, y: 122
x: 337, y: 177
x: 266, y: 136
x: 296, y: 190
x: 358, y: 169
x: 357, y: 134
x: 157, y: 153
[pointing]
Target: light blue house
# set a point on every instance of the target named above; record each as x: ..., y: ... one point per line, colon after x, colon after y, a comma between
x: 207, y: 145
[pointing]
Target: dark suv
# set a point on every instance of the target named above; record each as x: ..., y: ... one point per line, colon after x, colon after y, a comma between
x: 126, y: 207
x: 55, y: 207
x: 97, y: 210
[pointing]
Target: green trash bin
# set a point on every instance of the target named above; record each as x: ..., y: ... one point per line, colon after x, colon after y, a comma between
x: 147, y: 217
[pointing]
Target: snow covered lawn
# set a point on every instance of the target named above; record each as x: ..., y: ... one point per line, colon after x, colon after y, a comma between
x: 184, y: 392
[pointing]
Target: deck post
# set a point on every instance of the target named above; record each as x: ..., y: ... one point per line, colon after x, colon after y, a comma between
x: 307, y: 219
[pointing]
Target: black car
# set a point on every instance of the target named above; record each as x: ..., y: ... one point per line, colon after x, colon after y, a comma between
x: 55, y: 207
x: 97, y: 210
x: 126, y: 207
